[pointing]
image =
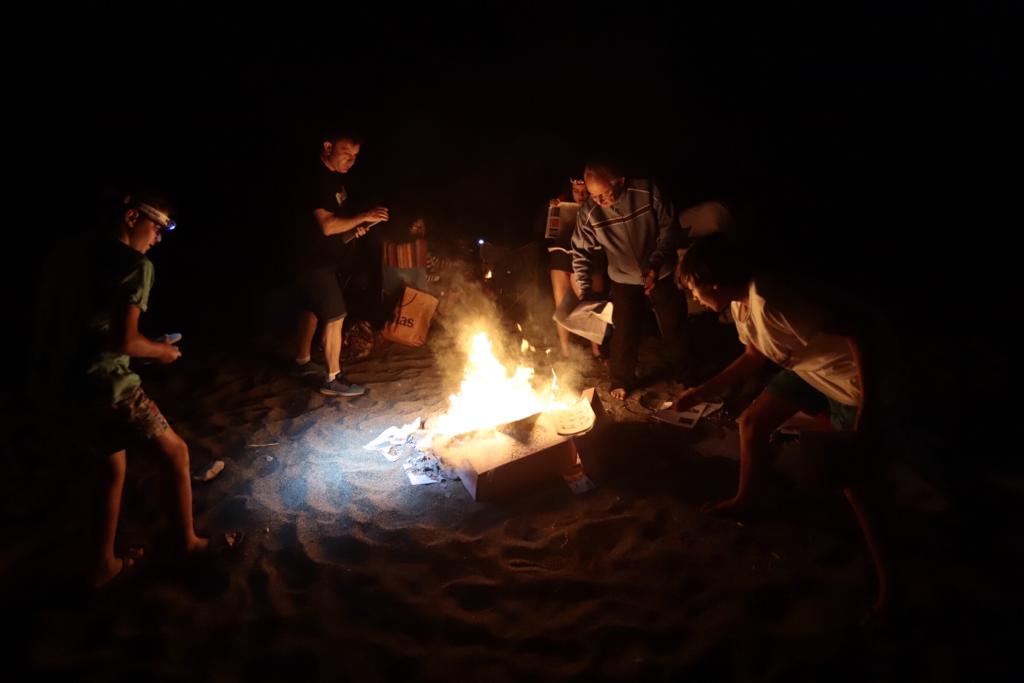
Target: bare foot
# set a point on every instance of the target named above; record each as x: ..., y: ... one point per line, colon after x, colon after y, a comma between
x: 115, y: 567
x: 619, y: 393
x: 729, y: 506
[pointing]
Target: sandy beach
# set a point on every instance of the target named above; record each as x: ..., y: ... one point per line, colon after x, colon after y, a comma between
x: 347, y: 572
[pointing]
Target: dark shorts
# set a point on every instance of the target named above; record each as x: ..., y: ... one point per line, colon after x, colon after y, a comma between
x: 790, y: 386
x: 134, y: 419
x: 320, y: 292
x: 560, y: 260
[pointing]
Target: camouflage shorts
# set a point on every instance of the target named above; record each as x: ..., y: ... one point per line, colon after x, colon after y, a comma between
x: 134, y: 419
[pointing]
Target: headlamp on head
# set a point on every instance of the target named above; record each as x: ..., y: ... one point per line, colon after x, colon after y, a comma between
x: 154, y: 214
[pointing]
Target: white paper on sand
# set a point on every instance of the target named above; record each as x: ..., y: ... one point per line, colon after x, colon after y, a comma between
x: 212, y: 471
x: 398, y: 451
x: 412, y: 444
x: 710, y: 408
x: 574, y: 420
x: 384, y: 439
x: 426, y: 468
x: 416, y: 442
x: 418, y: 478
x: 394, y: 436
x: 687, y: 418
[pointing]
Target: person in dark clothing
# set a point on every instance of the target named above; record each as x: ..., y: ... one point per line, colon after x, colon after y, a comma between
x: 323, y: 232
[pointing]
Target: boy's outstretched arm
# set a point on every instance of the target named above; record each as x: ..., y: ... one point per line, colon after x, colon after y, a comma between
x: 747, y: 364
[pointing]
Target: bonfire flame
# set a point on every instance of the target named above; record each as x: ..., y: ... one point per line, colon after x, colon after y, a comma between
x: 490, y: 396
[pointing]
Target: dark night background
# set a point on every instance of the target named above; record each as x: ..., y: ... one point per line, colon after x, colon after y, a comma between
x: 870, y: 150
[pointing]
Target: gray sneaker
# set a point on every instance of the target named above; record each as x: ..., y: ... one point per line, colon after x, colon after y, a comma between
x: 339, y: 386
x: 310, y: 368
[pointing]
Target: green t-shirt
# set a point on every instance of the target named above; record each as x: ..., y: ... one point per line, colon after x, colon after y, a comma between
x: 124, y: 277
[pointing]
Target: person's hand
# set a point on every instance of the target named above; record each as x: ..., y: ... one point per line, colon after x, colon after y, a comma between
x: 168, y: 354
x: 650, y: 279
x: 361, y: 230
x: 554, y: 202
x: 688, y: 399
x: 377, y: 214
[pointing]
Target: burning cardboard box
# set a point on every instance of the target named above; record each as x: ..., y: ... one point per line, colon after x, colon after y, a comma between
x: 505, y: 431
x: 516, y: 456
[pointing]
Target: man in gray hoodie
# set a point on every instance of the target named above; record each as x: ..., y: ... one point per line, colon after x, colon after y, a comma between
x: 637, y: 229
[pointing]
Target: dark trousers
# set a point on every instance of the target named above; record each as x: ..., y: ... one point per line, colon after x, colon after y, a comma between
x: 629, y: 304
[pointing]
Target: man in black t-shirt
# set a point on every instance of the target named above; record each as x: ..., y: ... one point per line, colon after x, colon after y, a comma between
x: 324, y: 229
